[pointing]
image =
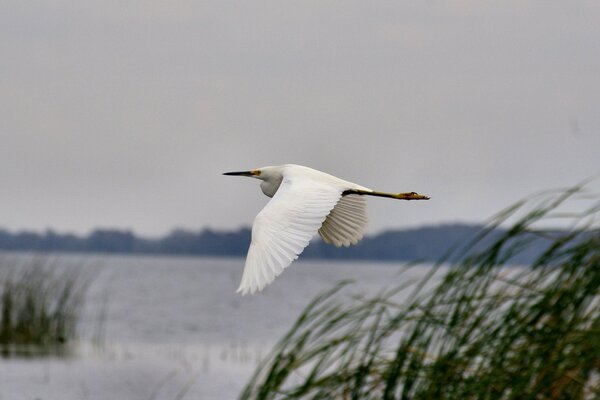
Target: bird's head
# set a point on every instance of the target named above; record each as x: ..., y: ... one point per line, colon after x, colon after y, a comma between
x: 270, y: 176
x: 264, y: 173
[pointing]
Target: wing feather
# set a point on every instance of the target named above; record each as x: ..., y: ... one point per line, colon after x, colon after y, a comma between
x: 284, y: 228
x: 346, y: 223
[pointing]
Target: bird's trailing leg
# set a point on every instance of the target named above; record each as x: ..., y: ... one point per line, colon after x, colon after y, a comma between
x: 399, y: 196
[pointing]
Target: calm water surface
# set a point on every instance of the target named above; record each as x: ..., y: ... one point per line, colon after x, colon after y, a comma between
x: 162, y: 328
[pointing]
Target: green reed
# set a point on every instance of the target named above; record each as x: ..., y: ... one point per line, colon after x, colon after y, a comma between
x: 475, y: 329
x: 39, y: 304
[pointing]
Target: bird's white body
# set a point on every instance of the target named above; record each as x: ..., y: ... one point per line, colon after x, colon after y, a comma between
x: 304, y: 201
x: 273, y: 176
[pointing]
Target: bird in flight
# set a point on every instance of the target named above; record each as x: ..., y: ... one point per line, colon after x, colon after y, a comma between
x: 304, y: 201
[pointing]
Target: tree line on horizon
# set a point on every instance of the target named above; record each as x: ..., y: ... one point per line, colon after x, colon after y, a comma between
x: 416, y: 244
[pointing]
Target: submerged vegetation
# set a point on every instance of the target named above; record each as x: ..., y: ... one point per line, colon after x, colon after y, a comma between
x: 39, y: 305
x: 472, y: 329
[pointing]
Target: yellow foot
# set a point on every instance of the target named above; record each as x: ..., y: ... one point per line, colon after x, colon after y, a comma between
x: 411, y: 196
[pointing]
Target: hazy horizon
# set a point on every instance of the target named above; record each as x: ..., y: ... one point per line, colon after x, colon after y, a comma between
x: 219, y: 230
x: 124, y: 114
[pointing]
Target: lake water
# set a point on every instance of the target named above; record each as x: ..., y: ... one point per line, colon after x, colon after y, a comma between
x: 175, y: 328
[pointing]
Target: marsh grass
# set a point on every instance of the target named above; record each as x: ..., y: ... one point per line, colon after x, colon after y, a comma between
x: 479, y: 330
x: 39, y: 305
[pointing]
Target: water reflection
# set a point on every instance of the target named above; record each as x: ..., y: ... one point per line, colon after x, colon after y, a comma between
x: 154, y: 328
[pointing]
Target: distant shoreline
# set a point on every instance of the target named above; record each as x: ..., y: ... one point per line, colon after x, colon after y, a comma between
x: 429, y: 243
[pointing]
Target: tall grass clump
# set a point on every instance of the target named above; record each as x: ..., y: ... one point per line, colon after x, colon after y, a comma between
x: 477, y: 329
x: 39, y: 304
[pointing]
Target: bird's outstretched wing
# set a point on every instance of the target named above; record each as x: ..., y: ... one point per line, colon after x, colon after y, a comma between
x: 347, y: 222
x: 284, y: 228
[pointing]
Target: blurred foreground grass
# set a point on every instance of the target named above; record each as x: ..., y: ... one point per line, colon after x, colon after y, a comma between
x: 479, y: 329
x: 39, y: 305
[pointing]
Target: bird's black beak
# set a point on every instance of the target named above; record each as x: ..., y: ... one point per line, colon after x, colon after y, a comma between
x: 243, y: 173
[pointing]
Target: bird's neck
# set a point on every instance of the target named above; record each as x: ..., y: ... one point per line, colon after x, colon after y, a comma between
x: 269, y: 186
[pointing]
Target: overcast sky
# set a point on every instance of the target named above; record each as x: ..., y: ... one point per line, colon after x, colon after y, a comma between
x: 125, y: 113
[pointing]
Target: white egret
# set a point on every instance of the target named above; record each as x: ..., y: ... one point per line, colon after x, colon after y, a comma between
x: 304, y: 201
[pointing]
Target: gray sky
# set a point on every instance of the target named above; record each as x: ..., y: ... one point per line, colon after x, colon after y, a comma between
x: 125, y: 113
